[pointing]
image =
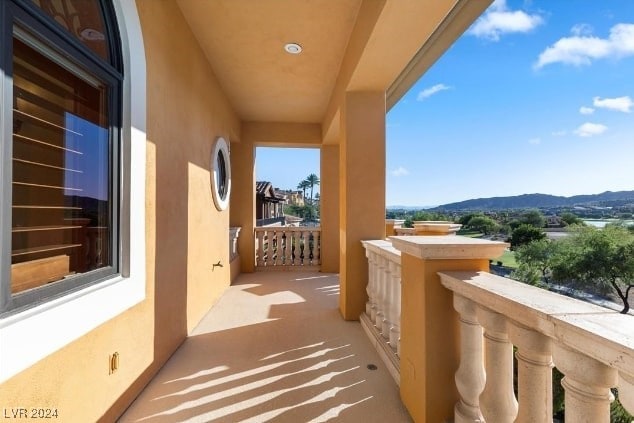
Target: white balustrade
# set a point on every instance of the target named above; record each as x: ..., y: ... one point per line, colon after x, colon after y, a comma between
x: 380, y: 292
x: 535, y: 375
x: 497, y: 402
x: 234, y: 233
x: 470, y: 377
x: 592, y: 346
x: 587, y: 383
x: 280, y: 247
x: 371, y: 287
x: 382, y: 317
x: 394, y: 310
x: 404, y: 231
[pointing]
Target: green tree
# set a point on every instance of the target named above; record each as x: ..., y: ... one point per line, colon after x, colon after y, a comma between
x: 303, y: 185
x: 425, y: 215
x: 571, y: 219
x: 534, y: 218
x: 601, y: 260
x: 483, y: 224
x: 525, y: 234
x: 464, y: 220
x: 312, y: 180
x: 536, y: 257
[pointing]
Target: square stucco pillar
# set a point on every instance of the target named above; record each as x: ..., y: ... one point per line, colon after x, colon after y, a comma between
x: 329, y: 208
x: 361, y: 193
x: 242, y: 201
x: 430, y: 339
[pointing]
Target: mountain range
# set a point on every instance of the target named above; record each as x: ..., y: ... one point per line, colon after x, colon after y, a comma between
x: 539, y: 200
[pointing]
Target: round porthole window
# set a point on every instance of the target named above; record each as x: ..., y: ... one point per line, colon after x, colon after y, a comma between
x: 221, y: 173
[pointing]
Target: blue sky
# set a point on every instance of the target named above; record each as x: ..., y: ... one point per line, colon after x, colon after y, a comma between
x: 537, y: 96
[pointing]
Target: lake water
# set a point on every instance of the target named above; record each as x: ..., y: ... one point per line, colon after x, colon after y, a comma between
x: 602, y: 223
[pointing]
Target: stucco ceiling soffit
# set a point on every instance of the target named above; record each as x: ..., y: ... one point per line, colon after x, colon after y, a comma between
x: 402, y: 28
x: 282, y: 134
x: 244, y: 40
x: 369, y: 13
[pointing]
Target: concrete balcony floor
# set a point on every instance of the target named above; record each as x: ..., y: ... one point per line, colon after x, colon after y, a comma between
x: 273, y: 349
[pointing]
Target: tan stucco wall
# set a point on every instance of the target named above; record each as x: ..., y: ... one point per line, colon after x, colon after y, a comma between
x: 429, y: 337
x: 185, y: 235
x: 329, y: 208
x: 242, y: 201
x: 361, y: 193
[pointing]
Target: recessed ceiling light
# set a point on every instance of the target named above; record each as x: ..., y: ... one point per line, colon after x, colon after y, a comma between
x: 293, y: 48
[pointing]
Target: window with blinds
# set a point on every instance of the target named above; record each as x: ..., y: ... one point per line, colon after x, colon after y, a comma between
x: 62, y: 169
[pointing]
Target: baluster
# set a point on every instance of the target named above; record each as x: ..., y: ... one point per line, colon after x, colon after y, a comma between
x: 283, y: 249
x: 260, y: 247
x: 470, y: 377
x: 311, y: 247
x: 318, y: 247
x: 626, y: 392
x: 395, y: 309
x: 269, y: 237
x: 278, y: 247
x: 369, y: 305
x: 307, y: 260
x: 386, y: 301
x: 294, y: 247
x: 497, y: 402
x: 534, y: 374
x: 288, y: 247
x: 379, y: 293
x: 587, y: 384
x: 300, y: 249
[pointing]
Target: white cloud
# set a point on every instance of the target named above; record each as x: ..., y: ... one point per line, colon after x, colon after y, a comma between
x: 620, y: 104
x: 428, y: 92
x: 590, y: 129
x: 559, y: 133
x: 586, y: 110
x: 499, y: 20
x: 581, y: 49
x: 582, y: 29
x: 400, y: 171
x: 535, y: 141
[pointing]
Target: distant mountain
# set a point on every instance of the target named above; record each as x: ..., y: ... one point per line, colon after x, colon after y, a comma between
x: 525, y: 201
x: 409, y: 207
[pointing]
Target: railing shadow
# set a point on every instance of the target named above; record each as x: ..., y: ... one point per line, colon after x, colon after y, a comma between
x: 273, y: 349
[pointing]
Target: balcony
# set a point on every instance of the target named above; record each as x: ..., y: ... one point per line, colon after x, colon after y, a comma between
x: 414, y: 282
x: 274, y: 348
x: 436, y: 343
x: 290, y: 248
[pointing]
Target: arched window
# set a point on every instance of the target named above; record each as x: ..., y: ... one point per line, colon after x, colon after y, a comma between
x: 61, y: 142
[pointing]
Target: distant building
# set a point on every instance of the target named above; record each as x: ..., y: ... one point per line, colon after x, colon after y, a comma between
x: 294, y: 198
x: 269, y: 207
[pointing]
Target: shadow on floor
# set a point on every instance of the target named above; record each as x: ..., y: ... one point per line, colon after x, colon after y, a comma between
x: 274, y: 349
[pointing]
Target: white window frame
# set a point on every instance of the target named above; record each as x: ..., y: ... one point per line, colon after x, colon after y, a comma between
x: 220, y: 146
x: 28, y: 336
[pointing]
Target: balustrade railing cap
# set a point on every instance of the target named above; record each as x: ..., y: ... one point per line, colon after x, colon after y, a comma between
x: 448, y: 247
x: 607, y: 337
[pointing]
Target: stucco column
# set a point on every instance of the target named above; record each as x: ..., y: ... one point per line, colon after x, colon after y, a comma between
x: 430, y: 340
x: 361, y: 192
x: 242, y: 201
x: 329, y: 208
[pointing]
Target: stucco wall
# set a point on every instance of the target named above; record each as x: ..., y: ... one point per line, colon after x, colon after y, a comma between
x: 186, y: 110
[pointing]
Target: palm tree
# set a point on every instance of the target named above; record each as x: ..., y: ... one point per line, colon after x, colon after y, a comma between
x: 312, y: 180
x: 303, y: 185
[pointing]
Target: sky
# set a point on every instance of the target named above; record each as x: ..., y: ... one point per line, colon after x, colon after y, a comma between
x: 537, y: 96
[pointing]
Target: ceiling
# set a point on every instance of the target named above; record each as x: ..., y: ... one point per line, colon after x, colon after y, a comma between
x: 348, y: 45
x: 244, y: 43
